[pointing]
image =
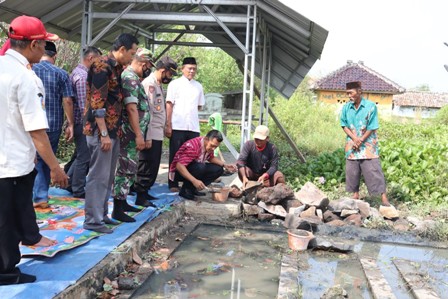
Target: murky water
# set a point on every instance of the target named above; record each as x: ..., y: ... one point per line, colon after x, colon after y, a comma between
x: 320, y: 270
x: 206, y: 261
x: 209, y: 258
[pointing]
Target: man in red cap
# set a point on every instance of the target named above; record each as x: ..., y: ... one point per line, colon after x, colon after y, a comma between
x: 23, y: 131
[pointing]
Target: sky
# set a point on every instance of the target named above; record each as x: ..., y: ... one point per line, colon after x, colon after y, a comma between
x: 402, y: 40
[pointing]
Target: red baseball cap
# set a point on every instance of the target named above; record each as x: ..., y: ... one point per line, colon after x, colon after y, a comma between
x: 29, y: 28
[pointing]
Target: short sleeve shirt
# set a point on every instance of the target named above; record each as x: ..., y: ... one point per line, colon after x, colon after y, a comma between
x: 57, y: 86
x: 186, y: 95
x: 360, y: 120
x: 23, y: 110
x: 156, y: 99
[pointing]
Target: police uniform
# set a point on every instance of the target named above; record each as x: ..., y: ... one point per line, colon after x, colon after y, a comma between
x: 149, y: 159
x: 128, y: 158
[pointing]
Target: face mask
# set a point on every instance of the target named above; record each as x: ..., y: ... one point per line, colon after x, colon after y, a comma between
x: 166, y: 80
x: 146, y: 73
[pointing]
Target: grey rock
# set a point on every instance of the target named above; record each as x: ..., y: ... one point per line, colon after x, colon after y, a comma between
x: 328, y: 243
x: 335, y: 292
x: 345, y: 212
x: 312, y: 196
x: 363, y: 207
x: 345, y: 203
x: 311, y: 211
x: 330, y: 216
x: 251, y: 210
x: 354, y: 219
x: 273, y: 209
x: 293, y: 221
x: 125, y: 283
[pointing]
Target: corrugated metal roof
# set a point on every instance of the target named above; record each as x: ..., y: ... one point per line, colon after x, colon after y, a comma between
x: 421, y: 99
x: 296, y: 41
x: 371, y: 80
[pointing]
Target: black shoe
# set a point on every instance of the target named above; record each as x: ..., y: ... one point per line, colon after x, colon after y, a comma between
x: 143, y: 199
x: 80, y: 195
x: 107, y: 220
x: 150, y: 197
x: 128, y: 208
x: 118, y: 212
x: 198, y: 193
x: 101, y: 229
x: 16, y: 277
x: 186, y: 193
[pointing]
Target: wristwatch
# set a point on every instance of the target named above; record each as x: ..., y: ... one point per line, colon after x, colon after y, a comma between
x: 103, y: 133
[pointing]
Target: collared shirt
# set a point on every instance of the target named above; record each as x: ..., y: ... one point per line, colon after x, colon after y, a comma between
x: 265, y: 161
x: 186, y: 95
x: 78, y: 77
x: 191, y: 150
x: 23, y: 110
x: 104, y: 90
x: 57, y: 85
x: 158, y: 110
x: 360, y: 120
x: 134, y: 92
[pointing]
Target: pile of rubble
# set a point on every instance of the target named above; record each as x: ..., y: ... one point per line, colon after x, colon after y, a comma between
x: 310, y: 207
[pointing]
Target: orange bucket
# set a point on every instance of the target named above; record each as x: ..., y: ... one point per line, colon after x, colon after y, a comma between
x: 298, y: 239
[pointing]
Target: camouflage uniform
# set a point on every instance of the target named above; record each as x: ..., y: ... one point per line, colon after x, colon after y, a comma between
x: 128, y: 158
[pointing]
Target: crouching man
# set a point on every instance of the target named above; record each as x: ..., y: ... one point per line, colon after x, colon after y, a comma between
x: 196, y: 165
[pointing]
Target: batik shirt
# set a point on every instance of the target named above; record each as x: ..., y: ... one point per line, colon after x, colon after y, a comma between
x: 104, y: 90
x: 134, y: 92
x: 360, y: 120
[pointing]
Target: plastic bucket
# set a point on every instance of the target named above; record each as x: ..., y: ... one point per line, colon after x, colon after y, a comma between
x: 298, y: 239
x: 221, y: 195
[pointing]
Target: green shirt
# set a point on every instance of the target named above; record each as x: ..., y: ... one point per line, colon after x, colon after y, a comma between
x: 360, y: 120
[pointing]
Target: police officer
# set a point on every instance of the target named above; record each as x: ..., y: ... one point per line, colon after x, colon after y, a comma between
x: 136, y: 118
x: 149, y: 160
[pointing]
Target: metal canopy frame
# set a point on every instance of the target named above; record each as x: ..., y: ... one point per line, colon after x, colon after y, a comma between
x: 265, y: 37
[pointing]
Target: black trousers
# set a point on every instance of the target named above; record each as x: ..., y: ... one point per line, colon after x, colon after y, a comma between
x: 178, y: 137
x: 148, y: 166
x: 17, y: 222
x: 206, y: 172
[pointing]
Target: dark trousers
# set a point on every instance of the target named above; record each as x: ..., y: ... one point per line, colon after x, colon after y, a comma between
x: 17, y: 222
x: 80, y: 166
x: 178, y: 137
x: 148, y: 166
x: 206, y: 172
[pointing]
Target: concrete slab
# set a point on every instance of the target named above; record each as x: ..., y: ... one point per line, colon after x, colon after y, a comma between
x: 287, y: 285
x: 378, y: 284
x: 213, y: 210
x: 415, y: 279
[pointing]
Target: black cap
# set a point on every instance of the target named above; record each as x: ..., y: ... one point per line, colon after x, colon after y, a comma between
x: 189, y: 60
x: 50, y: 46
x: 167, y: 63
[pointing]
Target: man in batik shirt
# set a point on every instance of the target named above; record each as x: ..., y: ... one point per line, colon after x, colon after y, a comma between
x: 136, y: 118
x: 359, y: 120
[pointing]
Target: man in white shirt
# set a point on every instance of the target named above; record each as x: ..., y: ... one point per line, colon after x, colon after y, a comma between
x: 22, y: 131
x: 185, y: 97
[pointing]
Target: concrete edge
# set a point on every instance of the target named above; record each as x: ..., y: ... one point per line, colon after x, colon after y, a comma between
x: 115, y: 262
x: 288, y: 287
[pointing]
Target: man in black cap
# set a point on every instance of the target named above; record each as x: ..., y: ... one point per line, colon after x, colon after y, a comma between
x: 58, y: 99
x: 149, y: 159
x: 359, y: 120
x: 184, y: 98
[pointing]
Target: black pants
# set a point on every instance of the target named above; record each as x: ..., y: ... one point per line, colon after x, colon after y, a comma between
x: 206, y: 172
x: 148, y: 166
x: 178, y: 138
x: 17, y: 222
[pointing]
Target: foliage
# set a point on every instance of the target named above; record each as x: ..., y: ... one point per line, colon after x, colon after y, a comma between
x: 442, y: 116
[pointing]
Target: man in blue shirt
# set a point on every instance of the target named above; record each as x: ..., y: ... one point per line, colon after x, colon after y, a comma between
x: 359, y: 120
x: 58, y: 99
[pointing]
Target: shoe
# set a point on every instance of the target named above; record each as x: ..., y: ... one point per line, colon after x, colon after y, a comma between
x: 198, y: 193
x: 174, y: 189
x: 150, y: 197
x: 107, y: 220
x: 16, y: 277
x: 143, y: 199
x: 128, y: 208
x: 80, y: 195
x: 118, y: 212
x: 186, y: 193
x: 101, y: 229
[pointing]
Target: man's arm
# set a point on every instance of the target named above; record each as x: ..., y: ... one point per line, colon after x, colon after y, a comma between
x: 183, y: 171
x: 218, y: 162
x: 67, y: 103
x: 169, y: 115
x: 43, y: 147
x: 132, y: 111
x: 242, y: 161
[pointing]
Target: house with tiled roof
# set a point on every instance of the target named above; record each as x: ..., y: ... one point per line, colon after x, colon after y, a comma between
x: 418, y: 104
x: 376, y: 87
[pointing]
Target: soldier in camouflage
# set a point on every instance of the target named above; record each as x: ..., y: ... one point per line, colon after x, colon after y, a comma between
x: 135, y: 124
